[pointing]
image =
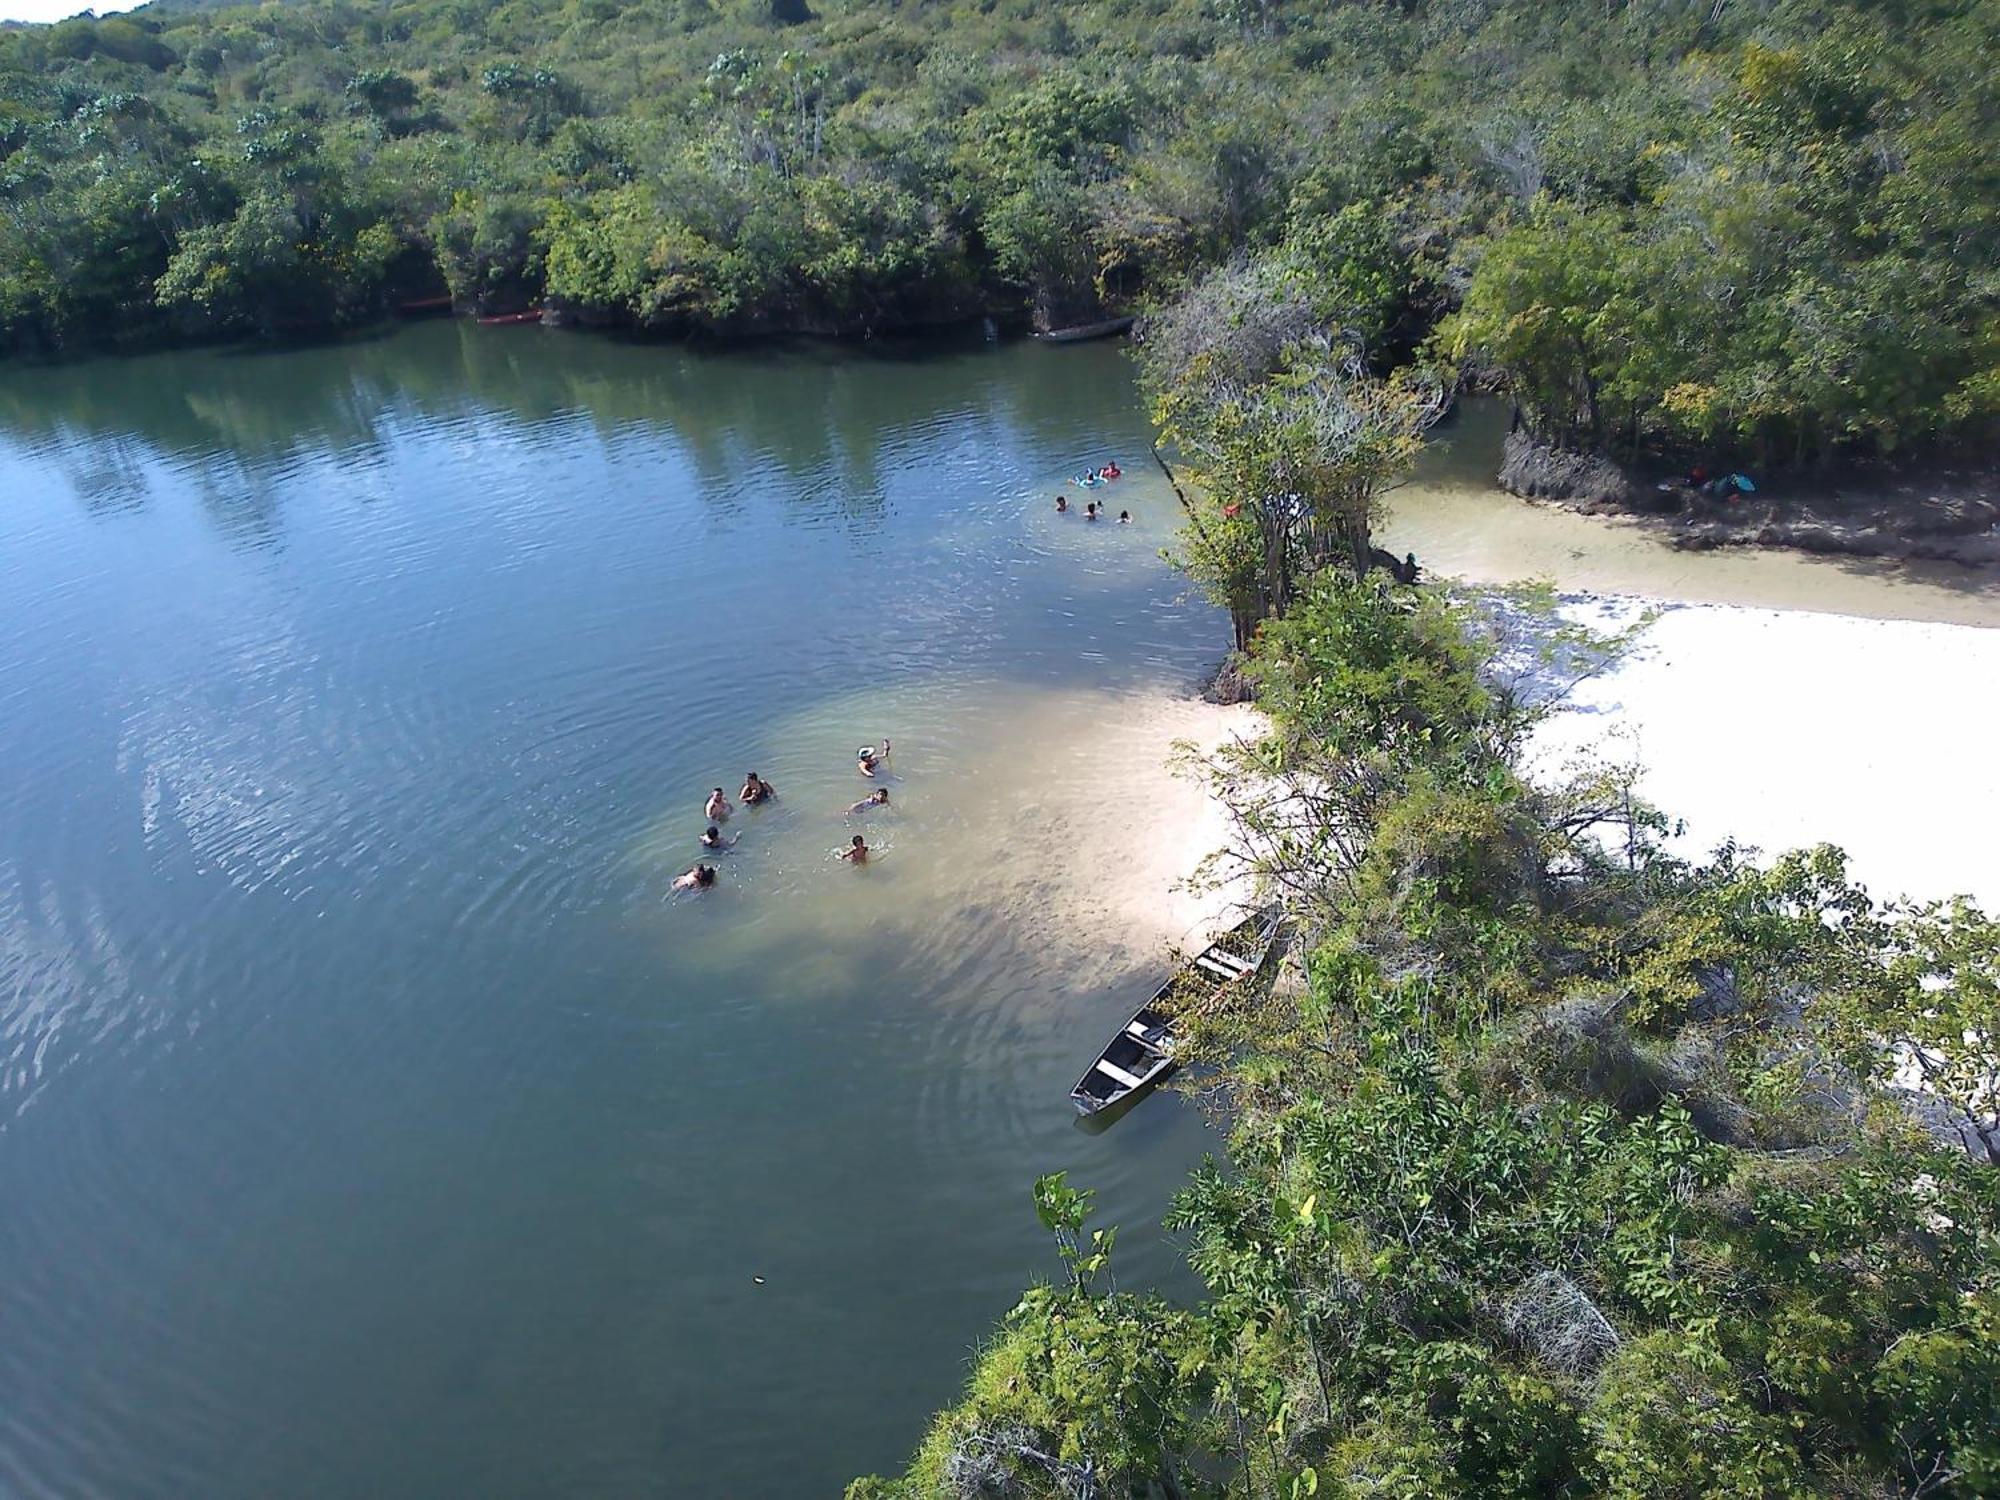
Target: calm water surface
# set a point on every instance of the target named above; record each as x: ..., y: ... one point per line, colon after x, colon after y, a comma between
x: 369, y: 1122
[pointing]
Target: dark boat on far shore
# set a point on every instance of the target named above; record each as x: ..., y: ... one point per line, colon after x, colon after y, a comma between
x: 1082, y: 331
x: 1142, y: 1053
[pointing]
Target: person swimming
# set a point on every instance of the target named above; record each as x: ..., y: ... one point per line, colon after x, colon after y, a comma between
x: 756, y: 789
x: 877, y: 798
x: 700, y: 878
x: 712, y: 838
x: 717, y: 807
x: 1090, y: 511
x: 855, y: 853
x: 1110, y: 470
x: 1062, y: 505
x: 868, y: 760
x: 1124, y: 517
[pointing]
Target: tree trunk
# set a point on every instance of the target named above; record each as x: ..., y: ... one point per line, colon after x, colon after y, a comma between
x: 1360, y: 549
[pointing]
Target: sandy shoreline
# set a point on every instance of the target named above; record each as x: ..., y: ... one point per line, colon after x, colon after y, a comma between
x: 1114, y: 770
x: 1782, y: 729
x: 1779, y: 729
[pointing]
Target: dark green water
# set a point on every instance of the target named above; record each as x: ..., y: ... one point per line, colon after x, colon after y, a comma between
x: 369, y: 1121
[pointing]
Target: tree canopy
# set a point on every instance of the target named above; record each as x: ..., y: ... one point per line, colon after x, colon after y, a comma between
x: 1561, y: 1168
x: 1769, y: 227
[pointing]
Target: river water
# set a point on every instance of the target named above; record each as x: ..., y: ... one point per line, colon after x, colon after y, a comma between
x: 371, y: 1119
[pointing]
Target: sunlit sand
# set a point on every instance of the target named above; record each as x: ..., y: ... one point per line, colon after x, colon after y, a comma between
x: 1785, y: 728
x: 1056, y: 817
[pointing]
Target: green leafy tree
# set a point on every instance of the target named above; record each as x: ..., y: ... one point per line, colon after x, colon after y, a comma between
x: 238, y: 273
x: 1511, y: 1206
x: 1290, y: 437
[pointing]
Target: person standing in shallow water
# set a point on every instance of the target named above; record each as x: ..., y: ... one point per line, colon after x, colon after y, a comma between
x: 1062, y: 505
x: 756, y: 789
x: 855, y: 853
x: 717, y: 807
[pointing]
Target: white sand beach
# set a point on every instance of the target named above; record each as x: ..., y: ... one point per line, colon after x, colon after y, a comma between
x: 1785, y: 728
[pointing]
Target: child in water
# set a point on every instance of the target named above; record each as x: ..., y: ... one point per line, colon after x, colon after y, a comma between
x: 868, y: 760
x: 1062, y: 505
x: 1090, y: 511
x: 1124, y: 518
x: 855, y: 853
x: 712, y: 839
x: 877, y: 798
x: 700, y: 878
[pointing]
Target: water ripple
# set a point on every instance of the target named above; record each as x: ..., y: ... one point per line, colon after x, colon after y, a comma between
x: 372, y: 1118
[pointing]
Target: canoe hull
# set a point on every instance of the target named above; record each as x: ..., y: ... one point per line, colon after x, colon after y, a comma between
x: 1141, y: 1054
x: 1082, y: 331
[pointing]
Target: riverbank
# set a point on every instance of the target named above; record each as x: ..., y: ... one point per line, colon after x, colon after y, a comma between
x: 1927, y: 514
x: 1066, y: 818
x: 1777, y: 729
x: 1461, y: 524
x: 1781, y: 728
x: 1670, y: 1050
x: 1118, y: 772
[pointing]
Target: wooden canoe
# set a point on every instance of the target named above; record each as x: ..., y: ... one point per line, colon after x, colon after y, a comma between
x: 1082, y: 331
x: 1142, y: 1053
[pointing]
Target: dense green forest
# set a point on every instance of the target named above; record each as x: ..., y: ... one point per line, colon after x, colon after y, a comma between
x: 1757, y: 226
x: 1558, y: 1165
x: 1567, y: 1169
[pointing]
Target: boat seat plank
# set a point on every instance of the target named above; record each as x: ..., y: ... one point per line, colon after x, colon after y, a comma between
x: 1119, y: 1075
x: 1147, y: 1040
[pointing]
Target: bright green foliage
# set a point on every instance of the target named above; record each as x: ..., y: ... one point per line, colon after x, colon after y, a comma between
x: 237, y: 271
x: 1353, y: 673
x: 1072, y: 1390
x: 1941, y: 1391
x: 1806, y: 266
x: 1078, y: 1394
x: 1673, y: 1425
x: 1564, y: 1171
x: 1291, y: 437
x: 1766, y: 227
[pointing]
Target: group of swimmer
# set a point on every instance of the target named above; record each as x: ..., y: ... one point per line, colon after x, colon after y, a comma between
x: 1090, y: 479
x: 756, y: 790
